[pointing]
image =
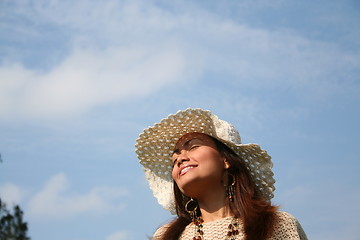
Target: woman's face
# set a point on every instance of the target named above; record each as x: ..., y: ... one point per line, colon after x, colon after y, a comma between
x: 197, y: 164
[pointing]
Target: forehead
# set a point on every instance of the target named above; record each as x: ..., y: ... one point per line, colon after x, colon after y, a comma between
x: 195, y: 135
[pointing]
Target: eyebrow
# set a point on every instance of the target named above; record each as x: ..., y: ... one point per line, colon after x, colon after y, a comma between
x: 187, y: 143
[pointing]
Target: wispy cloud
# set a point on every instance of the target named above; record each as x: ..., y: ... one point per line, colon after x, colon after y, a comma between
x: 11, y: 193
x: 85, y: 79
x: 120, y: 235
x: 120, y: 49
x: 55, y: 200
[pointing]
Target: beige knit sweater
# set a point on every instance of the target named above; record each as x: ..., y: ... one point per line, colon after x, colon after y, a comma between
x: 285, y: 228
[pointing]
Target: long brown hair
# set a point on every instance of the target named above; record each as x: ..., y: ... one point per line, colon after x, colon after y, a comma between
x: 257, y: 214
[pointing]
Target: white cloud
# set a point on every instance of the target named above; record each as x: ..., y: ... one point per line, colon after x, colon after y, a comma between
x: 56, y: 201
x: 124, y: 49
x: 121, y: 235
x: 11, y: 194
x: 85, y: 79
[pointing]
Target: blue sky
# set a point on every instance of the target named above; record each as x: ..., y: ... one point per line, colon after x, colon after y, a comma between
x: 79, y: 80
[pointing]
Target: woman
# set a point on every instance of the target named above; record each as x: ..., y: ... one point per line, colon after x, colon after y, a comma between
x: 219, y: 188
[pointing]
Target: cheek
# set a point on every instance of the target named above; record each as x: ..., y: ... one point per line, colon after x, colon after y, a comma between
x: 174, y: 173
x: 210, y: 156
x: 214, y: 161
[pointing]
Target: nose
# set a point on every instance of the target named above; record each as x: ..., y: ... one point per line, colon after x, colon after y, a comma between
x: 182, y: 157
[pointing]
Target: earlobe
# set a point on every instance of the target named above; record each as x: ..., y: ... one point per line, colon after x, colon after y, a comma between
x: 226, y: 164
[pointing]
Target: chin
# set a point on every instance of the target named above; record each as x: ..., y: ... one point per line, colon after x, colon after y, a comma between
x: 191, y: 188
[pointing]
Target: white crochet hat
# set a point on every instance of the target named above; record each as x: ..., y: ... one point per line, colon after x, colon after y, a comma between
x: 155, y: 146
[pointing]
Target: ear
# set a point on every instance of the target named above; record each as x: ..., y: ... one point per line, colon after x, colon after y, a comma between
x: 226, y: 164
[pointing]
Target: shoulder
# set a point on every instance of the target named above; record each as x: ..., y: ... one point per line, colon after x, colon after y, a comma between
x: 287, y: 227
x: 160, y: 231
x: 284, y: 217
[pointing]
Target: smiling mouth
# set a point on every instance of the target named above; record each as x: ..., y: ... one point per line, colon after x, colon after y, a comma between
x: 186, y: 169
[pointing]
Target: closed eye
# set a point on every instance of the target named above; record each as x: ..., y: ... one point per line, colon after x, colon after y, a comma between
x: 174, y: 162
x: 194, y: 147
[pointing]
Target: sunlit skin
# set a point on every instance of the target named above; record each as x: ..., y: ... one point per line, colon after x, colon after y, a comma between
x: 199, y: 171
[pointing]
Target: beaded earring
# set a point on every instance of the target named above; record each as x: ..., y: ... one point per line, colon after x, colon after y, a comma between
x: 230, y: 189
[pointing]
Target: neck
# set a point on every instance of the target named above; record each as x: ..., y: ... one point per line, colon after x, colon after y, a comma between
x: 213, y: 205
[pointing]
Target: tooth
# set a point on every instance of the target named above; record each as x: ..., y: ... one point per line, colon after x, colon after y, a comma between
x: 186, y: 169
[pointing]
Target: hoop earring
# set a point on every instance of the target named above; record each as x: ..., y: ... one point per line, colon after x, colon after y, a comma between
x: 191, y: 207
x: 230, y: 189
